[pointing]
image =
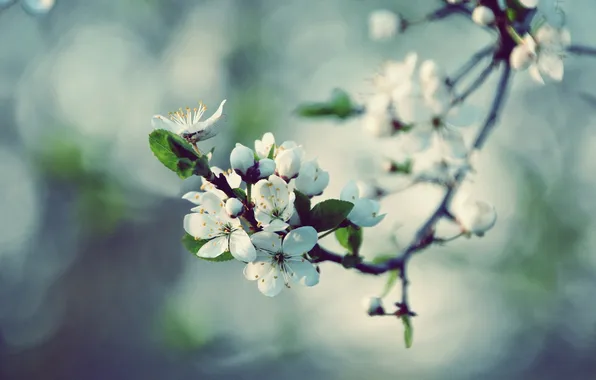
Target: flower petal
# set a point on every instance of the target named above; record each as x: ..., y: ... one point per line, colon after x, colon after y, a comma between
x: 162, y: 122
x: 266, y: 242
x: 214, y: 247
x: 257, y: 269
x: 299, y: 241
x: 206, y: 129
x: 211, y: 204
x: 241, y: 246
x: 303, y: 272
x: 535, y: 73
x: 552, y: 65
x: 193, y: 196
x: 350, y: 192
x: 271, y: 283
x: 262, y: 217
x: 276, y: 225
x: 200, y: 226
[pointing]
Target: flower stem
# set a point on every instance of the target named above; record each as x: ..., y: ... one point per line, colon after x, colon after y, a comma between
x: 248, y: 194
x: 329, y: 232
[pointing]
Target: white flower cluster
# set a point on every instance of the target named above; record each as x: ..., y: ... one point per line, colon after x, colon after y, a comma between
x: 415, y: 98
x: 275, y: 245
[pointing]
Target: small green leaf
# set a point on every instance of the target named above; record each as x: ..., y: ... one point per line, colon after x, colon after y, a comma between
x: 339, y: 105
x: 176, y: 154
x: 240, y: 194
x: 511, y: 13
x: 302, y: 206
x: 350, y: 238
x: 192, y: 245
x: 391, y: 280
x: 408, y: 330
x: 380, y: 259
x: 271, y: 152
x: 329, y: 214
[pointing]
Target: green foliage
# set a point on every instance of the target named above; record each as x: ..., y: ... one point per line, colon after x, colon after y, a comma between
x: 240, y: 194
x: 340, y: 105
x: 177, y: 154
x: 193, y: 245
x: 392, y: 276
x: 302, y: 206
x: 329, y: 214
x: 408, y: 330
x: 350, y: 238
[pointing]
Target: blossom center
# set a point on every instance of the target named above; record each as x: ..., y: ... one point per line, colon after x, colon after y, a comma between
x: 188, y: 116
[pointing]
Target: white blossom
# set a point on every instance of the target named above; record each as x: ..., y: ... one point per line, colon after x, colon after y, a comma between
x: 37, y: 6
x: 377, y: 120
x: 231, y: 177
x: 263, y: 146
x: 366, y: 211
x: 475, y: 216
x: 483, y: 15
x: 234, y: 207
x: 545, y: 51
x: 266, y: 167
x: 274, y: 203
x: 242, y: 158
x: 280, y: 261
x: 311, y: 180
x: 189, y: 122
x: 383, y: 24
x: 209, y: 221
x: 373, y: 306
x: 287, y: 163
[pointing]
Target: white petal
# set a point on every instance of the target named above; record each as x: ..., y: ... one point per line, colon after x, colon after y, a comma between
x: 161, y: 122
x: 193, y: 196
x: 263, y: 146
x: 214, y: 247
x: 275, y: 226
x: 241, y: 246
x: 38, y: 6
x: 211, y: 204
x: 365, y: 213
x: 207, y: 129
x: 267, y: 242
x: 552, y: 65
x: 303, y: 272
x: 452, y: 144
x: 416, y: 140
x: 350, y: 192
x: 262, y: 217
x: 200, y: 226
x: 535, y: 73
x: 257, y: 269
x: 271, y: 283
x: 266, y: 167
x: 529, y: 3
x: 299, y: 241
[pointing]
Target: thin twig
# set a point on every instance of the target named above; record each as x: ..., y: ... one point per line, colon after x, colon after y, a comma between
x: 425, y: 235
x: 469, y: 65
x: 475, y: 85
x: 581, y: 50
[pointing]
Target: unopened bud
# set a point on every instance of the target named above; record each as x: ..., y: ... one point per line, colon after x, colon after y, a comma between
x: 266, y: 167
x: 242, y: 158
x: 483, y: 15
x: 521, y: 57
x: 373, y: 306
x: 234, y: 207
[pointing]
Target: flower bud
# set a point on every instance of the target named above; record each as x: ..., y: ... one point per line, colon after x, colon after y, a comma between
x: 383, y: 24
x: 263, y: 146
x: 242, y: 158
x: 475, y: 217
x: 234, y: 207
x: 529, y: 4
x: 521, y: 57
x: 288, y: 163
x: 311, y: 179
x: 266, y: 167
x: 38, y: 7
x: 483, y: 15
x: 366, y: 190
x: 373, y: 306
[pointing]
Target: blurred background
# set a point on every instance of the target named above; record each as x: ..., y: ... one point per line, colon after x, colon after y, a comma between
x: 95, y: 284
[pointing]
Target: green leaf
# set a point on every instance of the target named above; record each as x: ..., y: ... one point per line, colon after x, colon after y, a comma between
x: 329, y: 214
x: 193, y: 245
x: 271, y: 152
x: 176, y: 154
x: 391, y: 280
x: 240, y: 194
x: 350, y: 238
x: 339, y: 105
x: 302, y: 206
x: 408, y: 330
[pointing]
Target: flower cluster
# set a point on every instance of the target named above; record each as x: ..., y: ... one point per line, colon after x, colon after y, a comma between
x: 250, y: 212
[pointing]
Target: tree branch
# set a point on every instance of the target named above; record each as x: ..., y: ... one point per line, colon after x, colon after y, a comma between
x: 581, y: 50
x: 475, y: 85
x: 425, y: 235
x: 469, y: 65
